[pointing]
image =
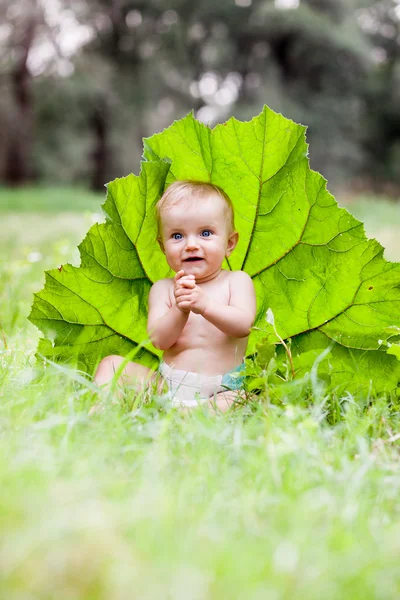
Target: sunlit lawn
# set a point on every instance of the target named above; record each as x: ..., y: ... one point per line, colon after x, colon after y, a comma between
x: 381, y: 218
x: 265, y: 503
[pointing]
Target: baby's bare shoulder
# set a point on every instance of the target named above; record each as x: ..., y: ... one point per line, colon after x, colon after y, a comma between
x: 239, y: 277
x: 160, y: 290
x: 242, y: 292
x: 161, y: 284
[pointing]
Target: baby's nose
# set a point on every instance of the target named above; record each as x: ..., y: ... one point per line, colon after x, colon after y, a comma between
x: 192, y: 242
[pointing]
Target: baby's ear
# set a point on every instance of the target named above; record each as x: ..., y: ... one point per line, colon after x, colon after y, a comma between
x: 232, y: 243
x: 160, y: 243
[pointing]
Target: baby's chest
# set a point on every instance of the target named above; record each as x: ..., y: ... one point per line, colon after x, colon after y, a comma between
x: 219, y: 294
x: 198, y: 325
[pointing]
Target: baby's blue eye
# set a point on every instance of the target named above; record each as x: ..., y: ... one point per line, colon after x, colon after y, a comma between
x: 177, y: 236
x: 206, y: 233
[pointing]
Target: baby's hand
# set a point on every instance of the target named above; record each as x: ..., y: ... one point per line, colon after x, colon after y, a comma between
x: 189, y: 296
x: 183, y: 281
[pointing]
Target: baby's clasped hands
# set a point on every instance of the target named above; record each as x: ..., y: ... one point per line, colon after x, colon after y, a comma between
x: 188, y: 295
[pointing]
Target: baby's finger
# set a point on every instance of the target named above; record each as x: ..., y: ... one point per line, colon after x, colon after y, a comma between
x: 184, y: 305
x: 183, y: 292
x: 178, y: 275
x: 184, y: 298
x: 184, y: 281
x: 187, y: 283
x: 186, y: 276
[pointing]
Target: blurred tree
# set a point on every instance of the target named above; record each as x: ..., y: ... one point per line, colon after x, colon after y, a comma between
x: 226, y: 57
x: 381, y: 23
x: 145, y: 62
x: 229, y: 58
x: 37, y: 39
x: 315, y: 66
x: 19, y: 23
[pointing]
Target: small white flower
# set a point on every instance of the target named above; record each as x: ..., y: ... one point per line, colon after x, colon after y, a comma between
x: 34, y: 257
x: 270, y: 317
x: 285, y: 558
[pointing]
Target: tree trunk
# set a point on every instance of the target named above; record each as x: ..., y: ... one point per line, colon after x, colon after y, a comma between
x: 100, y: 154
x: 18, y: 163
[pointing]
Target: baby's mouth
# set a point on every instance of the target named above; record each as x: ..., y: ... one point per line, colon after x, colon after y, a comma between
x: 193, y: 259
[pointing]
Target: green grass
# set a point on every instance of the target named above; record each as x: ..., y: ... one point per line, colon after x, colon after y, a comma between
x: 49, y: 200
x: 376, y: 210
x: 381, y: 218
x: 264, y: 503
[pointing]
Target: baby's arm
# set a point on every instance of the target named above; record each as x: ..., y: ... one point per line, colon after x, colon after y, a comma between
x: 165, y: 323
x: 237, y: 318
x: 234, y: 319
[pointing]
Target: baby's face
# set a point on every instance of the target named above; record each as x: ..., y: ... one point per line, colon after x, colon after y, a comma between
x: 196, y: 236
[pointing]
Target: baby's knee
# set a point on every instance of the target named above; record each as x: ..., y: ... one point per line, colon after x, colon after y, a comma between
x: 107, y: 368
x: 109, y: 363
x: 113, y: 359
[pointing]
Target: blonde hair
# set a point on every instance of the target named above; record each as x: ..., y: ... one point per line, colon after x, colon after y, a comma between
x: 180, y: 190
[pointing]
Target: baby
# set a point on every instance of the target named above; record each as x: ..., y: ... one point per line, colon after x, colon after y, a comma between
x: 202, y: 317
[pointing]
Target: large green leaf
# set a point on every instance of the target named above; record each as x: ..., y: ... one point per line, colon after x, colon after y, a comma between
x: 309, y: 259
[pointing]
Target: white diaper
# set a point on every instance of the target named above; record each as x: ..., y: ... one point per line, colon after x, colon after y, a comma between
x: 190, y: 389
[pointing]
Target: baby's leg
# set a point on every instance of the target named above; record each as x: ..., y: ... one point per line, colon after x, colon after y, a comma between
x: 133, y: 375
x: 224, y: 400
